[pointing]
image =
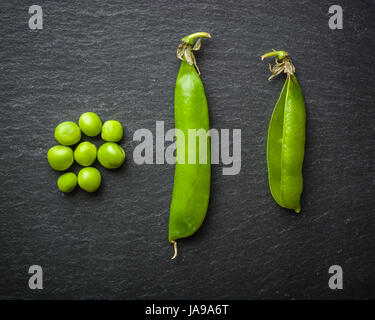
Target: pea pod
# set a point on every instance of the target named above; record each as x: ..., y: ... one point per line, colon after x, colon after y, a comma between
x: 191, y: 190
x: 286, y: 137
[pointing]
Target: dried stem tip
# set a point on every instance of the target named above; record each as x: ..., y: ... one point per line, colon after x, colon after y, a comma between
x: 188, y: 45
x: 283, y: 63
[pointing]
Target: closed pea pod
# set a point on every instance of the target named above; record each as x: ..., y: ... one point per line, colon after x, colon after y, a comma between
x: 191, y: 190
x: 286, y: 137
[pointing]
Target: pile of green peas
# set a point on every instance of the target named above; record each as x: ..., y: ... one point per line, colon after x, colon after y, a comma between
x: 110, y: 155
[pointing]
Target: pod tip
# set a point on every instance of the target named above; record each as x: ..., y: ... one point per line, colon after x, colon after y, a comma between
x: 175, y: 249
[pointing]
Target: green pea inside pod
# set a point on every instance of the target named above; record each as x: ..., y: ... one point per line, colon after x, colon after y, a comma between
x: 85, y: 154
x: 89, y: 179
x: 90, y: 124
x: 111, y: 155
x: 67, y: 133
x: 60, y: 158
x: 112, y: 131
x: 67, y: 182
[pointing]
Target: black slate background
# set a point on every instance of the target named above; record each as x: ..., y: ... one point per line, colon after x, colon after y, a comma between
x: 117, y: 58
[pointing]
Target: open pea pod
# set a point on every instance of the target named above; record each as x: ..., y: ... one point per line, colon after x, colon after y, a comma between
x: 286, y: 137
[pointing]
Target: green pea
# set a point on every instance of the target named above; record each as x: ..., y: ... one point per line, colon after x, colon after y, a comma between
x: 60, y: 157
x: 89, y: 179
x: 67, y: 133
x: 111, y: 155
x: 90, y: 124
x: 67, y: 182
x: 85, y: 154
x: 112, y: 131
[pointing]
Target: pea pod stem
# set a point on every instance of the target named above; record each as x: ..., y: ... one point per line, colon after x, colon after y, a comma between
x: 191, y: 38
x: 279, y: 54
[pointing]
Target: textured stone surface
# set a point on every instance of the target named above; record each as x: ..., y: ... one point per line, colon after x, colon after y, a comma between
x: 117, y: 58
